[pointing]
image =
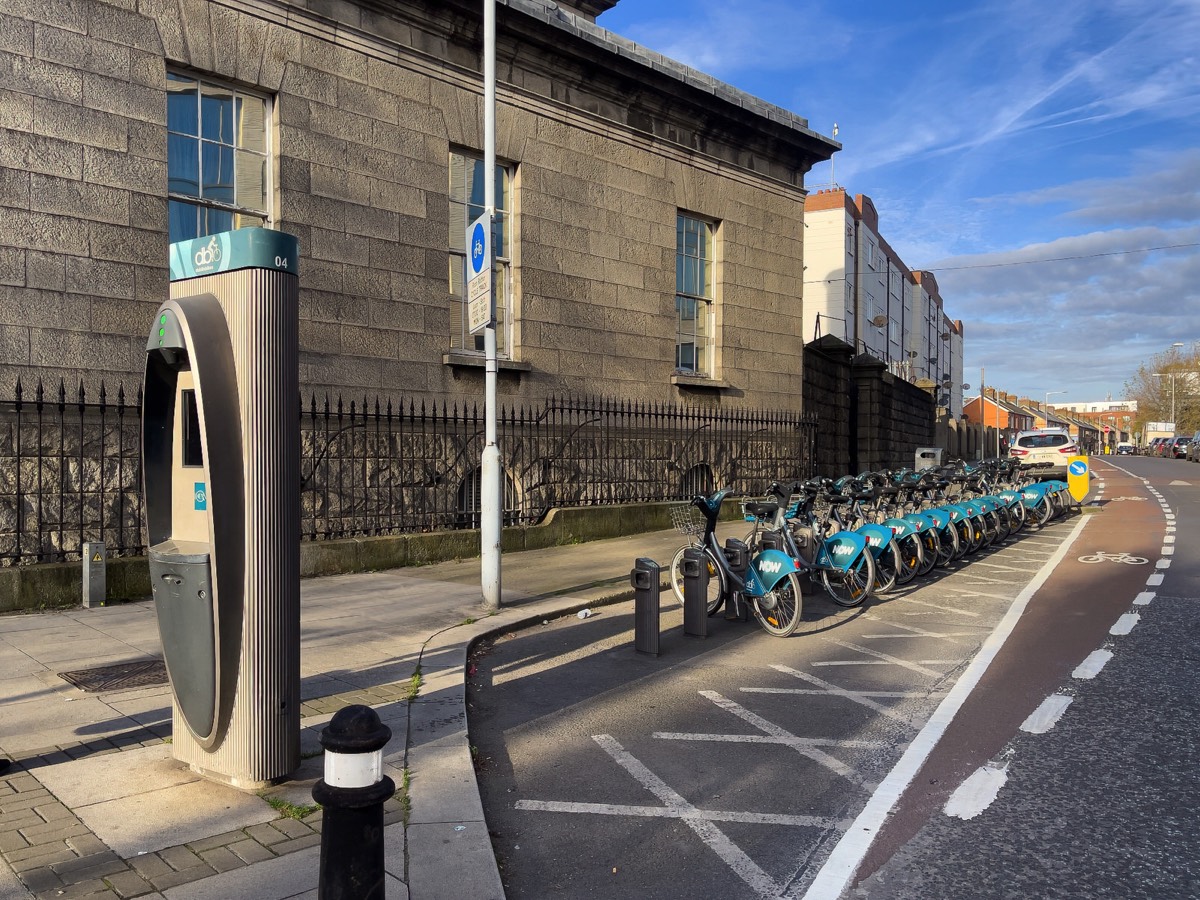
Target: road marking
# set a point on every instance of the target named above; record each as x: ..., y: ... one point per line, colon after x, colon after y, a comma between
x: 1125, y: 624
x: 716, y: 839
x: 1091, y: 666
x: 950, y: 609
x: 1144, y: 598
x: 977, y: 793
x: 785, y: 737
x: 1155, y: 579
x: 886, y: 658
x: 1047, y: 715
x: 1168, y: 550
x: 861, y: 697
x: 849, y: 851
x: 665, y: 812
x: 1181, y: 483
x: 1169, y: 538
x: 912, y: 631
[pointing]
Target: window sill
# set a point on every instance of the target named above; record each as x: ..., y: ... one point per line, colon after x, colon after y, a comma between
x: 477, y: 361
x: 699, y: 382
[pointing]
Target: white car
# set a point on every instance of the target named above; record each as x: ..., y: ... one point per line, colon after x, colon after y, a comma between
x: 1046, y: 445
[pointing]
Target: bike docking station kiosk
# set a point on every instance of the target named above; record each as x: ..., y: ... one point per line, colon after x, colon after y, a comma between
x: 221, y: 476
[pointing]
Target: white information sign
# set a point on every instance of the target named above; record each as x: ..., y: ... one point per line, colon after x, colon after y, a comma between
x: 480, y: 313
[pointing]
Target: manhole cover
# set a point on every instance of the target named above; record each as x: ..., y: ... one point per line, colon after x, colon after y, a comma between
x: 121, y: 677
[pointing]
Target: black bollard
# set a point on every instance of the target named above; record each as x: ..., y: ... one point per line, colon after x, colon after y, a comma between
x: 352, y: 793
x: 695, y: 592
x: 645, y: 580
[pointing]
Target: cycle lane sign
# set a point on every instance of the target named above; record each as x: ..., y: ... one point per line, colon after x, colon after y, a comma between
x: 1078, y: 476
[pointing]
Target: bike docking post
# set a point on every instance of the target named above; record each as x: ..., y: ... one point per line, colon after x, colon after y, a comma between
x: 646, y: 584
x: 738, y: 556
x: 695, y: 592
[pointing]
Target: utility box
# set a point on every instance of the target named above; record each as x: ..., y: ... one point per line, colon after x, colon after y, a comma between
x: 221, y: 470
x: 926, y: 457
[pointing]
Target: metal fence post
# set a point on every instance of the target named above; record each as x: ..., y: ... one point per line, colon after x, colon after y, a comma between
x: 645, y: 580
x: 695, y: 592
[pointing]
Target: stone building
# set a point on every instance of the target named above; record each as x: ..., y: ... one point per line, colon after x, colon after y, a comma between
x: 651, y: 239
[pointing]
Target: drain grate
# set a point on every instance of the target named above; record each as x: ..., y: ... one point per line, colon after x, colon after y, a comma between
x: 121, y: 677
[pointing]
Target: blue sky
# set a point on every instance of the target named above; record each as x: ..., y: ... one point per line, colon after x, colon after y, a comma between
x: 992, y: 137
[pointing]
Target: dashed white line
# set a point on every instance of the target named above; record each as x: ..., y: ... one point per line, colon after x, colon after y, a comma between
x: 1125, y: 624
x: 977, y: 793
x: 1091, y: 666
x: 1046, y: 716
x: 1144, y: 598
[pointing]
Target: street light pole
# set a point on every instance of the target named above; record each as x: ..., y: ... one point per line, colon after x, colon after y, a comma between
x: 1047, y: 404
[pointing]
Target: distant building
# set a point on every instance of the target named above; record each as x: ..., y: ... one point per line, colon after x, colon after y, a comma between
x: 857, y: 288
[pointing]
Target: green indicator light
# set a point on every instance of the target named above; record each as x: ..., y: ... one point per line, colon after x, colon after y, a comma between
x: 162, y: 319
x: 162, y: 332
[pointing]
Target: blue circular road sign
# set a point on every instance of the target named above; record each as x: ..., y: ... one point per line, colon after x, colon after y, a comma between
x: 478, y: 248
x: 1079, y: 467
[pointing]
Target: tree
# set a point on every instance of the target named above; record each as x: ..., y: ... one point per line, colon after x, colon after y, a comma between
x: 1173, y: 371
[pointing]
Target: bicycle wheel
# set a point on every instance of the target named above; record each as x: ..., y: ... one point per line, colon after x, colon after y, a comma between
x: 912, y: 558
x: 1016, y: 517
x: 1042, y: 511
x: 949, y: 547
x: 778, y: 611
x: 716, y: 579
x: 850, y: 587
x: 887, y: 568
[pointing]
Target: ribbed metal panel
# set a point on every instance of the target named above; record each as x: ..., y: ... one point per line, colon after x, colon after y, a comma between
x: 262, y: 743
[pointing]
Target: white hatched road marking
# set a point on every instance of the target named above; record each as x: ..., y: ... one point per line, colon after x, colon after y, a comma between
x: 716, y: 839
x: 783, y: 737
x: 887, y: 659
x: 914, y: 632
x: 941, y: 608
x: 865, y: 698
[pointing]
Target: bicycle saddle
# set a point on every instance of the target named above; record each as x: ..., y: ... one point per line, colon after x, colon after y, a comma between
x: 762, y: 510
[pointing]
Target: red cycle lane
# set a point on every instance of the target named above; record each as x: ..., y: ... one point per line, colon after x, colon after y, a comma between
x: 1068, y: 618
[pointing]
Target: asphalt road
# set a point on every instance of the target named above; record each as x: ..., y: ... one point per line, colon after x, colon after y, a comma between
x: 1105, y: 802
x: 744, y: 765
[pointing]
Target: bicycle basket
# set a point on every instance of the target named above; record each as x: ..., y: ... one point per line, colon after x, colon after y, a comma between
x: 686, y: 519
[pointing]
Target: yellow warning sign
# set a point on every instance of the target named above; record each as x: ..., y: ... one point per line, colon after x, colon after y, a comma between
x: 1078, y: 476
x: 97, y: 558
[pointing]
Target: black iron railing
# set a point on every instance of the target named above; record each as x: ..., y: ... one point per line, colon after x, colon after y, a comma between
x: 70, y: 471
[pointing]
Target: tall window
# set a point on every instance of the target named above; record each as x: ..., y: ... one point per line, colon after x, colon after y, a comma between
x: 218, y: 157
x: 693, y: 296
x: 467, y: 205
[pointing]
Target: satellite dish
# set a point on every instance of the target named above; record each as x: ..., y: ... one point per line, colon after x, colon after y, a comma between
x: 966, y: 387
x: 879, y: 321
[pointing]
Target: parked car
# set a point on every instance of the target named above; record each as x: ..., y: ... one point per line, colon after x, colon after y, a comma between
x: 1045, y: 445
x: 1155, y: 445
x: 1124, y: 448
x: 1177, y: 447
x: 1193, y: 451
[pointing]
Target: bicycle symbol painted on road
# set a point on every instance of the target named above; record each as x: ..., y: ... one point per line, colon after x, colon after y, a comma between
x: 1101, y: 556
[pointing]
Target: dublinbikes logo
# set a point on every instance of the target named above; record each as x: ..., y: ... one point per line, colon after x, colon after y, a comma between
x: 208, y: 256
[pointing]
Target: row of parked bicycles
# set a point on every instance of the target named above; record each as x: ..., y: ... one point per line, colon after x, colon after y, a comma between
x: 859, y: 536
